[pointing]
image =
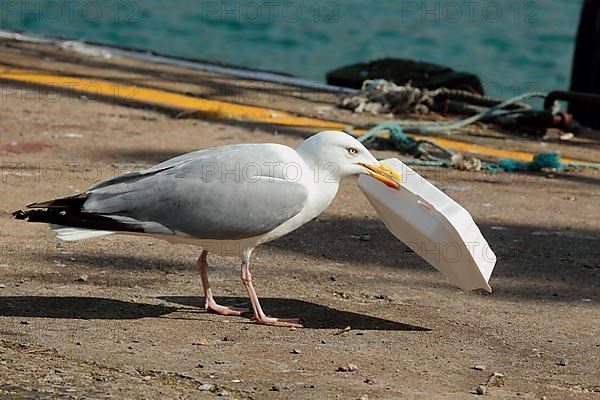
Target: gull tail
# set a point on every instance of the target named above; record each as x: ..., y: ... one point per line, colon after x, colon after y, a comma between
x: 69, y: 234
x: 67, y: 219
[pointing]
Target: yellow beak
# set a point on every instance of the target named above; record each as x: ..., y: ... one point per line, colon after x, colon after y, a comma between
x: 384, y: 174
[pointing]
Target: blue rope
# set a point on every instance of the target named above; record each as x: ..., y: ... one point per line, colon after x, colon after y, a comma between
x: 540, y: 161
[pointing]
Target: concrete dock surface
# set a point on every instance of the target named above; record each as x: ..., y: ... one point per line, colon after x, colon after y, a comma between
x: 122, y: 317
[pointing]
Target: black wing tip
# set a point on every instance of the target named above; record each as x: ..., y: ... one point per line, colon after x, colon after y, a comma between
x: 20, y: 215
x: 71, y: 202
x: 77, y: 220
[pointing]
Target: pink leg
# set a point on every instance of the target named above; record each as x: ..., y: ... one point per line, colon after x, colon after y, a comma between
x: 259, y: 315
x: 209, y: 302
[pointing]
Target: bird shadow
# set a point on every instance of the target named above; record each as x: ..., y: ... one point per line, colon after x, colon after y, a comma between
x: 94, y: 308
x: 314, y: 316
x: 79, y: 308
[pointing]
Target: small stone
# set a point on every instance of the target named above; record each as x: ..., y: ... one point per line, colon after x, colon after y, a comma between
x: 567, y: 136
x: 200, y: 342
x: 219, y: 362
x: 364, y: 397
x: 147, y: 378
x: 332, y: 278
x: 296, y: 351
x: 200, y: 366
x: 24, y: 322
x: 347, y: 368
x: 363, y: 238
x: 2, y: 286
x: 345, y: 330
x: 206, y: 387
x: 478, y: 367
x: 563, y: 362
x: 82, y: 279
x: 236, y: 381
x: 323, y: 341
x: 275, y: 388
x: 496, y: 379
x: 480, y: 390
x: 369, y: 381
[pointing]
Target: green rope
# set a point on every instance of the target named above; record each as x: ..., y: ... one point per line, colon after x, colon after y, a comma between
x: 421, y: 163
x: 582, y: 165
x: 427, y: 127
x: 417, y: 148
x: 403, y: 143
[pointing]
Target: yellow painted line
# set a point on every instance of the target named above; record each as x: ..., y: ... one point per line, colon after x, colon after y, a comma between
x: 152, y: 96
x: 227, y: 110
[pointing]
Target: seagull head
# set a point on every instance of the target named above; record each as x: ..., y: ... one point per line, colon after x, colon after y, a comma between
x: 343, y: 156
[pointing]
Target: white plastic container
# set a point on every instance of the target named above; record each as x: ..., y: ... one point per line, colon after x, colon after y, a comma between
x: 434, y: 226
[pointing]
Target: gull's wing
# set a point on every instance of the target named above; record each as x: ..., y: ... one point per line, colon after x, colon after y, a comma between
x: 230, y: 192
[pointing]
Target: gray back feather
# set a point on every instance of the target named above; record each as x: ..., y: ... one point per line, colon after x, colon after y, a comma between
x: 230, y: 192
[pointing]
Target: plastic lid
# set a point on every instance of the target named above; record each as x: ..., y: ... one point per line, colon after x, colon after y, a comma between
x: 434, y: 226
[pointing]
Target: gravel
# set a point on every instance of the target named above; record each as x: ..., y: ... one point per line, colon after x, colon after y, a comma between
x: 563, y: 362
x: 480, y: 390
x: 347, y: 368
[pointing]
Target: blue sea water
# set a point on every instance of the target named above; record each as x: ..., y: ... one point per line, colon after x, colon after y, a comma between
x: 513, y: 45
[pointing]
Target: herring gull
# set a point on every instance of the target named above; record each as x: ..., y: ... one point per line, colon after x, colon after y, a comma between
x: 227, y: 200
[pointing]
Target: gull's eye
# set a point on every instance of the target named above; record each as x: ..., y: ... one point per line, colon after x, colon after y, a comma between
x: 352, y: 151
